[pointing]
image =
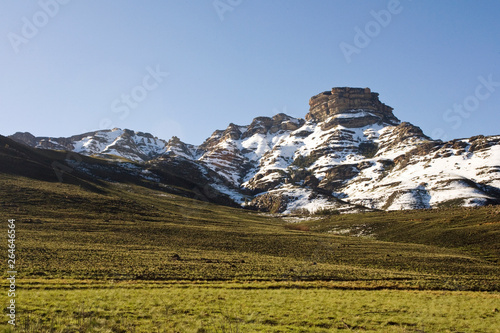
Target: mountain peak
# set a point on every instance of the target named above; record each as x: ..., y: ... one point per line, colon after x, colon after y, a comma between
x: 279, y: 122
x: 343, y: 100
x: 24, y: 137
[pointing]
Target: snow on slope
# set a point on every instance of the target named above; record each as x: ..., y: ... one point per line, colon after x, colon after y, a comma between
x: 425, y: 181
x: 134, y: 146
x: 236, y: 154
x: 382, y: 181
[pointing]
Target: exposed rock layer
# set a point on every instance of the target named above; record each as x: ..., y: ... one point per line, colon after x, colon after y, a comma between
x: 345, y: 99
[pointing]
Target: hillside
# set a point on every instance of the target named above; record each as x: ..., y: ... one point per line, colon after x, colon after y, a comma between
x: 131, y: 232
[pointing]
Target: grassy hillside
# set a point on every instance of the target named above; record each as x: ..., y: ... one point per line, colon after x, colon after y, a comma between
x: 94, y: 174
x: 128, y: 232
x: 474, y: 230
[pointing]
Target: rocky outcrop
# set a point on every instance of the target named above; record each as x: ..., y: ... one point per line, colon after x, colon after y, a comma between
x: 266, y: 180
x: 271, y: 202
x: 25, y: 138
x: 279, y: 122
x: 403, y: 135
x: 175, y: 147
x: 337, y: 176
x: 346, y: 100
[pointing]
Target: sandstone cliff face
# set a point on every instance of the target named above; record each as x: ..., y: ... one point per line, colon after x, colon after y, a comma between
x: 279, y: 122
x: 348, y: 100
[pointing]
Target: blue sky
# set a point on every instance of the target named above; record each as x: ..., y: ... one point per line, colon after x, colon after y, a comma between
x: 68, y: 67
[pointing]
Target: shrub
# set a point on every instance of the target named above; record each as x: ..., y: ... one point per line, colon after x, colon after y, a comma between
x: 326, y: 212
x: 304, y: 161
x: 368, y: 149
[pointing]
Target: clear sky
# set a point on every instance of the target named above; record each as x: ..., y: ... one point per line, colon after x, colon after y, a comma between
x: 187, y: 68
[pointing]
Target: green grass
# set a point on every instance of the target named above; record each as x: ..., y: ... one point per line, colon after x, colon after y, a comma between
x: 249, y: 307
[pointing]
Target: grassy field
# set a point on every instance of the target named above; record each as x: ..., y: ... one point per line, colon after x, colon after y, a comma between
x: 76, y: 306
x: 121, y: 258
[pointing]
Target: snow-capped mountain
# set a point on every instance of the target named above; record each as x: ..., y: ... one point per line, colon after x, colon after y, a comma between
x: 349, y: 153
x: 126, y: 144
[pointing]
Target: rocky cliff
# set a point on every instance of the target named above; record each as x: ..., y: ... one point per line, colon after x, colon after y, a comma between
x: 347, y: 100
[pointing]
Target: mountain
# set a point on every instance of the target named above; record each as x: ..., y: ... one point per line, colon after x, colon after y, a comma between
x: 350, y: 153
x: 136, y: 146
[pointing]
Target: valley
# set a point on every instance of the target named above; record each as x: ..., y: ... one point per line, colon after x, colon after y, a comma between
x: 347, y: 220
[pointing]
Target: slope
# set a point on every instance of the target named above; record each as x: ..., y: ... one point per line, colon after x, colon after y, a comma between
x: 131, y: 232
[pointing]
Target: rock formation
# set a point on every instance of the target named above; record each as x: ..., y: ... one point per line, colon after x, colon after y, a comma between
x: 348, y: 100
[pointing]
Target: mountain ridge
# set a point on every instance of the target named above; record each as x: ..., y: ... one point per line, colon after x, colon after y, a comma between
x: 350, y: 153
